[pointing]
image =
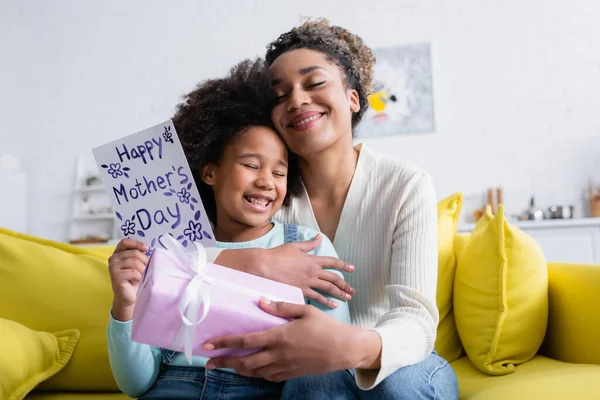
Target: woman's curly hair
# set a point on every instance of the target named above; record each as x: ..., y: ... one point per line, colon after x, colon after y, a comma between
x: 218, y: 112
x: 340, y: 46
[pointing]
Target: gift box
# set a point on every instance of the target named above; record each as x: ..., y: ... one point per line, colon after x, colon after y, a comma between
x: 183, y: 301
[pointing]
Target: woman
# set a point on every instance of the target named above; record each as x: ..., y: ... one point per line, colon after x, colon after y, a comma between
x: 379, y: 213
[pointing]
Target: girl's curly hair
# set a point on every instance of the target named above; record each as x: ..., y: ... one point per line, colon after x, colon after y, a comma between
x: 218, y: 112
x: 340, y: 46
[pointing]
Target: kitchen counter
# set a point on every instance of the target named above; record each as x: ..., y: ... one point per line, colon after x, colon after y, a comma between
x: 543, y: 224
x: 574, y: 240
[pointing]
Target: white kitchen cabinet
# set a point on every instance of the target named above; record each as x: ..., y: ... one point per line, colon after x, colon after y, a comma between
x: 562, y: 240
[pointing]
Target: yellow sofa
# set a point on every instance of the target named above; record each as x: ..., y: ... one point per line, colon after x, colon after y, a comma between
x: 566, y: 367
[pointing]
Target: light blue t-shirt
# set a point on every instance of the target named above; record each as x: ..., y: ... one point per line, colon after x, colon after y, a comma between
x: 136, y: 366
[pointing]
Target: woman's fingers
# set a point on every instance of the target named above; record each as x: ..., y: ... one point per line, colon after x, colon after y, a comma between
x: 273, y: 373
x: 246, y: 366
x: 284, y: 309
x: 326, y: 286
x: 309, y: 245
x: 334, y: 263
x: 243, y: 341
x: 278, y: 377
x: 317, y: 297
x: 334, y: 284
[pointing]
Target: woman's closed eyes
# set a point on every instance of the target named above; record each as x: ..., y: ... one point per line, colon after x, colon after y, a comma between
x: 310, y: 86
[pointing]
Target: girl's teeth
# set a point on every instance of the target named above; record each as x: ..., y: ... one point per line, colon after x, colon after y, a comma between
x: 260, y: 202
x: 307, y: 120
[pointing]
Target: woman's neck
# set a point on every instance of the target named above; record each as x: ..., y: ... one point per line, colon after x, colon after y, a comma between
x: 328, y: 174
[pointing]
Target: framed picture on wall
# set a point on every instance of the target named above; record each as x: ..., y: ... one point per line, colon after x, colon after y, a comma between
x: 402, y: 98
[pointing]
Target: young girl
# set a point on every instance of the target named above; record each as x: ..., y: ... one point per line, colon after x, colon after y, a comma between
x: 381, y: 215
x: 245, y: 175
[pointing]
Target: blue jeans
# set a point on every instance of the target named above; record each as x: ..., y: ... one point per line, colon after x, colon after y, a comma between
x: 196, y: 383
x: 432, y: 379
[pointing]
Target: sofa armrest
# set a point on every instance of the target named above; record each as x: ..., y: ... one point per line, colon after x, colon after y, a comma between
x: 574, y: 314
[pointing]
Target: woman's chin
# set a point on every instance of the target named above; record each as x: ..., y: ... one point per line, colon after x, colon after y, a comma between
x: 312, y: 145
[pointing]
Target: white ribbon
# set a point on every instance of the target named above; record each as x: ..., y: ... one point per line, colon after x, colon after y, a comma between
x: 195, y: 294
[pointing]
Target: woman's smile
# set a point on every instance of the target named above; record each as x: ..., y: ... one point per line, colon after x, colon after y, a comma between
x: 306, y: 121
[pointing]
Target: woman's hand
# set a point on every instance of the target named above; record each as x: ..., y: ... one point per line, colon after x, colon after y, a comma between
x: 290, y: 264
x: 313, y: 343
x: 126, y: 267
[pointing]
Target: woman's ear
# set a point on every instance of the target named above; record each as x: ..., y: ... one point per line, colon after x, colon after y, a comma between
x: 354, y: 101
x: 208, y: 174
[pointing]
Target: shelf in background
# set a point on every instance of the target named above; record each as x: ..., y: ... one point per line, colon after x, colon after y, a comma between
x: 93, y: 217
x: 92, y: 220
x: 90, y: 242
x: 89, y: 189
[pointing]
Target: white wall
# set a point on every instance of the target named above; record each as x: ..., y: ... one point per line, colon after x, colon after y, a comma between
x: 517, y: 84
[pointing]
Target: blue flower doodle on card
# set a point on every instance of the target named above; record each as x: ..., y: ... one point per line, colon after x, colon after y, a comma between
x: 167, y: 135
x: 128, y: 228
x: 193, y: 231
x: 115, y: 170
x: 184, y: 196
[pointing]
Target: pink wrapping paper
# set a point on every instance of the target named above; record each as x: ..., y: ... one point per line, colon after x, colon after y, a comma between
x: 156, y: 318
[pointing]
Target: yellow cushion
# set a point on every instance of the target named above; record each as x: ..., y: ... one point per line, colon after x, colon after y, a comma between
x: 500, y: 296
x: 103, y: 251
x: 50, y: 286
x: 540, y: 378
x: 447, y: 343
x: 28, y: 357
x: 460, y: 241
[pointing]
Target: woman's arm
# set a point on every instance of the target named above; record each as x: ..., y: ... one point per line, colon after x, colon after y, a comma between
x: 290, y: 264
x: 408, y: 329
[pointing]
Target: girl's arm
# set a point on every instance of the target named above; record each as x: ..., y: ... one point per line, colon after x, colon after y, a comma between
x: 135, y: 366
x: 341, y: 311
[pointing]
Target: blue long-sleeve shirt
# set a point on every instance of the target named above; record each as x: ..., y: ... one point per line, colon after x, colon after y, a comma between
x: 136, y: 366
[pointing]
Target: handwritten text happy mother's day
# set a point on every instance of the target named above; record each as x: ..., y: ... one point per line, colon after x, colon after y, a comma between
x: 151, y: 188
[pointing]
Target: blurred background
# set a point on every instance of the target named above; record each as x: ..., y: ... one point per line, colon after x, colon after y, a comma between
x: 515, y: 89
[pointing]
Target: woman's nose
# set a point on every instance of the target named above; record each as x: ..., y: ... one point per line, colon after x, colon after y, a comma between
x: 297, y: 99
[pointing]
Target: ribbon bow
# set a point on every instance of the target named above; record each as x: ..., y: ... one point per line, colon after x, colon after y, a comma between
x: 194, y: 295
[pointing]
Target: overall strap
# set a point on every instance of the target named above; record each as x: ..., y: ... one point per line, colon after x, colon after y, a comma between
x: 291, y: 233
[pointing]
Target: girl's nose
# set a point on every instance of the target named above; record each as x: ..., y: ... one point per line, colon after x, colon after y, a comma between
x: 265, y: 181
